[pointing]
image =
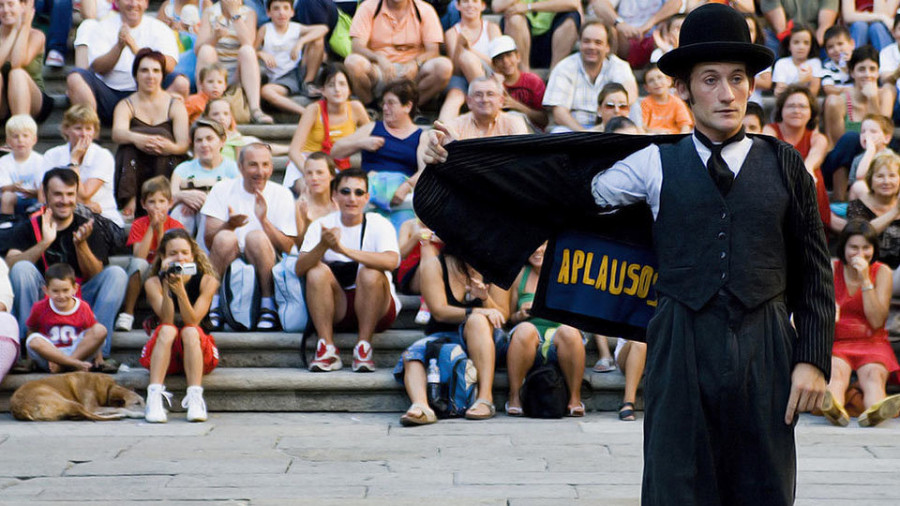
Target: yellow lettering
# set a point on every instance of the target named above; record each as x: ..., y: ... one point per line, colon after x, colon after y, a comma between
x: 563, y: 277
x: 652, y: 303
x: 644, y: 284
x: 601, y: 274
x: 577, y: 264
x: 587, y: 270
x: 633, y: 276
x: 613, y: 289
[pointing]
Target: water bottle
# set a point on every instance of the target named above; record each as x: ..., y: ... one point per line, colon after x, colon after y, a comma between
x: 434, y: 382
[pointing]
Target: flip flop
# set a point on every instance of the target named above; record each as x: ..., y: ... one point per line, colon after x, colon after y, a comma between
x: 604, y: 365
x: 626, y: 412
x: 513, y: 410
x: 492, y: 410
x: 576, y: 411
x: 426, y: 416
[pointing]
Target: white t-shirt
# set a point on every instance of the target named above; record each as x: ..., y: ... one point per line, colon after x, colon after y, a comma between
x: 380, y: 237
x: 889, y: 58
x: 231, y: 193
x: 27, y: 174
x: 786, y: 72
x: 98, y: 163
x: 101, y: 36
x: 279, y: 45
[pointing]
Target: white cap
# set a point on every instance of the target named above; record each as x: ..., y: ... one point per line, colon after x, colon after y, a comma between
x: 500, y: 45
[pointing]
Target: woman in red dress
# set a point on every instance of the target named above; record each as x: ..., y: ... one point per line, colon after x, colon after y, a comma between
x: 862, y: 292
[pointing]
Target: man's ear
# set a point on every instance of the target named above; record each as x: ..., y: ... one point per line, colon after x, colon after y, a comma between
x: 684, y: 91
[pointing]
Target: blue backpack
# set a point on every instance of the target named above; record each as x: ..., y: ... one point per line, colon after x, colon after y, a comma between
x: 289, y: 295
x: 459, y: 379
x: 239, y: 297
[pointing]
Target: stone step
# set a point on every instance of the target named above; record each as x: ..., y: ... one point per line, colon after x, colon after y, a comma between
x: 275, y: 389
x: 274, y: 349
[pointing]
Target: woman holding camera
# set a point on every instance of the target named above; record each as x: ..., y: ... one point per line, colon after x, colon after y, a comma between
x: 179, y: 289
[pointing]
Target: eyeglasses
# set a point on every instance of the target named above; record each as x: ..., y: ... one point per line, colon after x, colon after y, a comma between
x: 613, y: 105
x: 359, y: 192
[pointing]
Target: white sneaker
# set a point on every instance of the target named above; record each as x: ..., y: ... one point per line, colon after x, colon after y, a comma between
x: 327, y: 358
x: 55, y: 59
x: 124, y: 321
x: 195, y: 405
x: 424, y: 315
x: 155, y: 412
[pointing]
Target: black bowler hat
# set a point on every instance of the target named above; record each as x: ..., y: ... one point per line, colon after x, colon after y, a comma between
x: 715, y: 33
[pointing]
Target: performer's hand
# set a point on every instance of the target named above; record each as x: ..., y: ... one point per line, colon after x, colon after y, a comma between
x: 438, y: 137
x: 807, y: 391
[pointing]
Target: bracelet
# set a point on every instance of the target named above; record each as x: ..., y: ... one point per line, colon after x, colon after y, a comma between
x: 468, y: 312
x: 866, y: 288
x: 529, y: 7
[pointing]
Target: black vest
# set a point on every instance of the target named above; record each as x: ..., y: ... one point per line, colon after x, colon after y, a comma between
x: 705, y: 242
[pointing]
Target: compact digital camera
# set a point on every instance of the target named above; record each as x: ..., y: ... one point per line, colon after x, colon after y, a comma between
x: 187, y: 268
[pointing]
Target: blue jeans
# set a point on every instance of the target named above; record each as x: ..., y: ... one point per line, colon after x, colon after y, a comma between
x: 871, y: 33
x: 104, y: 293
x: 845, y: 149
x: 60, y: 13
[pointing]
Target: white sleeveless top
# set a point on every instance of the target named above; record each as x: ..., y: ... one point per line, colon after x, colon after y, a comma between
x: 279, y: 46
x: 481, y: 45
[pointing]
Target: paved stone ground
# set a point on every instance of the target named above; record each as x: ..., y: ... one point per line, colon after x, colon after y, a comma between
x: 340, y: 458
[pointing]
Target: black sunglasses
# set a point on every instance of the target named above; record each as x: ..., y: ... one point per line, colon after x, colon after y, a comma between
x: 359, y: 192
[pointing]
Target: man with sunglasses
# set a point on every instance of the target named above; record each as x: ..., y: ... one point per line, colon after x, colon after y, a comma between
x: 575, y: 83
x: 347, y: 258
x: 253, y: 218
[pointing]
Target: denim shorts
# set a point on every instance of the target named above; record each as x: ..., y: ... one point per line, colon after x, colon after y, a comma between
x: 416, y: 351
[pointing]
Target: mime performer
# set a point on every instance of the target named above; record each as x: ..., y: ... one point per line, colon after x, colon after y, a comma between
x: 740, y: 249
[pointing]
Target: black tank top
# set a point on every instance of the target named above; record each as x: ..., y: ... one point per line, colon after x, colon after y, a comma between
x: 435, y: 326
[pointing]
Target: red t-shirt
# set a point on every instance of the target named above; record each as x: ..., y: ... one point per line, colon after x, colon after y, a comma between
x: 529, y: 90
x: 139, y: 228
x: 60, y: 328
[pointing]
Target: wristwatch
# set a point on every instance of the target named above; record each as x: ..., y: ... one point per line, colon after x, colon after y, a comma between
x: 618, y: 20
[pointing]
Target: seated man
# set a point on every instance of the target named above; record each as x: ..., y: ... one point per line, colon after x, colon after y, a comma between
x: 104, y: 55
x: 347, y: 257
x: 575, y: 83
x: 486, y: 117
x: 253, y: 218
x: 61, y: 236
x: 544, y: 30
x: 393, y: 39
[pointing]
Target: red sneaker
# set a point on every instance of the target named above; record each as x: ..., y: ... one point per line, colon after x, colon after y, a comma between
x: 362, y: 357
x: 327, y: 358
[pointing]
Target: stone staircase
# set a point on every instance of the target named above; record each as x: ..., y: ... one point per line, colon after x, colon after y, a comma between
x: 261, y: 371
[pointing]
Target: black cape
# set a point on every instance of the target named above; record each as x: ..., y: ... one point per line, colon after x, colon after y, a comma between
x: 495, y: 200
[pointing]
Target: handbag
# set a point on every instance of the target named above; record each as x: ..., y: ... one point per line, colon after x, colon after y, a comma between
x: 345, y: 272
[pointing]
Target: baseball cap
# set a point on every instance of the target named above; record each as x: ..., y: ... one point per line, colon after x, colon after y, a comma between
x: 500, y: 45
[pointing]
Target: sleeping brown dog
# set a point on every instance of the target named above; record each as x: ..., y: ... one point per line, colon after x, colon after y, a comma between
x: 75, y: 395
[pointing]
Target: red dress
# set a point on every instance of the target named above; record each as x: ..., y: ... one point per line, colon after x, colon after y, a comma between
x: 821, y: 192
x: 855, y: 341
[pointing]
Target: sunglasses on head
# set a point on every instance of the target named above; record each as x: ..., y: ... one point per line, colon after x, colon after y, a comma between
x: 359, y: 192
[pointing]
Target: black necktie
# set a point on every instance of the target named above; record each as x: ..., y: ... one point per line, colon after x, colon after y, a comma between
x: 718, y: 169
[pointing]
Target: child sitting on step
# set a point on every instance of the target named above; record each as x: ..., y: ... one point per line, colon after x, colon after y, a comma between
x: 179, y: 289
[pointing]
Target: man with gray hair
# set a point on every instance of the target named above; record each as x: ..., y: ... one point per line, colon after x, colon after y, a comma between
x: 486, y: 117
x: 253, y: 218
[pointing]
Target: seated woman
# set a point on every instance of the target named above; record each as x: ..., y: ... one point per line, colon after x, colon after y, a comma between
x: 179, y: 343
x: 314, y: 198
x: 845, y: 111
x: 862, y: 292
x: 22, y: 63
x: 336, y: 110
x: 796, y: 118
x: 870, y: 22
x: 631, y: 357
x: 389, y: 152
x: 151, y: 128
x: 192, y: 180
x: 468, y: 312
x: 536, y: 341
x: 227, y: 34
x: 880, y: 208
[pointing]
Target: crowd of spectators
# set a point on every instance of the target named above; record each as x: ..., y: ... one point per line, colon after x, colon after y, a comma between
x: 174, y: 87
